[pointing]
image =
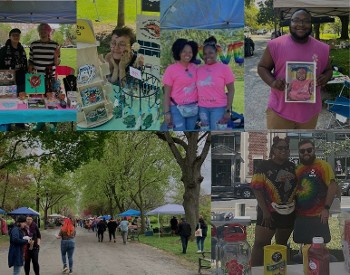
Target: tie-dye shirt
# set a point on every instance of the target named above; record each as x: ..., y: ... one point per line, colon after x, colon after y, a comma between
x: 182, y: 82
x: 276, y: 182
x: 313, y: 182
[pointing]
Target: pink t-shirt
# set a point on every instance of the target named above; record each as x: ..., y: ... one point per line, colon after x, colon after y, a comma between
x: 211, y: 82
x: 300, y: 90
x: 283, y: 49
x: 182, y: 82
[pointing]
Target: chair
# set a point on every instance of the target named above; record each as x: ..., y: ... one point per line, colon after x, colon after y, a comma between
x: 340, y: 109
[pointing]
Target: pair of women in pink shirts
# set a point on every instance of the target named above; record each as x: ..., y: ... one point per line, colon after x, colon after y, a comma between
x: 186, y: 83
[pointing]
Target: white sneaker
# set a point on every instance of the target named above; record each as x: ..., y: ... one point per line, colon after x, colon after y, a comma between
x: 199, y: 251
x: 65, y: 269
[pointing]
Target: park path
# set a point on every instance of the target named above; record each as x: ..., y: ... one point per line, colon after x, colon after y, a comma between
x: 107, y: 258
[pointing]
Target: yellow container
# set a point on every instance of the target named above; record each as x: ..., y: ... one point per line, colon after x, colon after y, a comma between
x: 306, y: 258
x: 275, y: 259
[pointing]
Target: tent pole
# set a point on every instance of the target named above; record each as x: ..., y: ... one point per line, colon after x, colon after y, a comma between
x: 158, y: 226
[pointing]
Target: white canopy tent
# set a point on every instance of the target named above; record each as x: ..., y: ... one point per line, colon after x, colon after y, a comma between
x: 167, y: 209
x: 317, y: 8
x: 39, y: 11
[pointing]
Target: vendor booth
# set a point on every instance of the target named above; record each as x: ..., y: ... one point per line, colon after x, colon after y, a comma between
x: 44, y: 98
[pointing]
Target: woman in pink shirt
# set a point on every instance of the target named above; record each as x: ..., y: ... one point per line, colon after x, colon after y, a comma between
x: 212, y: 78
x: 180, y: 86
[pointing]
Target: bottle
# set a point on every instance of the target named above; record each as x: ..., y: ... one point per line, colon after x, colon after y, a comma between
x: 318, y: 256
x: 235, y: 253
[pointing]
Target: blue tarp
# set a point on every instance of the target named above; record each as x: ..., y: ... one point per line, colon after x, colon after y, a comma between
x: 60, y: 12
x: 24, y: 211
x: 201, y: 14
x: 129, y: 213
x: 2, y: 211
x: 106, y: 217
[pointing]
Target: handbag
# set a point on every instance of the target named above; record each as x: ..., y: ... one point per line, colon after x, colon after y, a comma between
x: 187, y: 110
x: 198, y: 232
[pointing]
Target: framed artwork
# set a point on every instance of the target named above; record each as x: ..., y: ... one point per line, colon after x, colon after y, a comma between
x: 35, y: 84
x: 7, y: 77
x: 91, y: 95
x: 300, y: 82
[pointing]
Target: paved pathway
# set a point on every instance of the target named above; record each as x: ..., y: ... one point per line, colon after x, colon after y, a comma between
x: 257, y: 92
x: 94, y: 258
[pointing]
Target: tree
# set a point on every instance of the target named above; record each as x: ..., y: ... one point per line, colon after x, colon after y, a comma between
x: 121, y: 13
x: 344, y: 27
x: 266, y: 14
x: 250, y: 15
x: 186, y: 152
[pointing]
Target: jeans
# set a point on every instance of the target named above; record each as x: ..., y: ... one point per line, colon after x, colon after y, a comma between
x: 111, y: 234
x: 124, y: 236
x: 67, y: 247
x: 211, y: 116
x: 100, y: 235
x: 182, y: 123
x: 17, y: 270
x: 32, y: 255
x: 184, y: 241
x: 200, y: 243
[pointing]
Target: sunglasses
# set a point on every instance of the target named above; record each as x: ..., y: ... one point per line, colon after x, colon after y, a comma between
x: 309, y: 150
x: 282, y: 148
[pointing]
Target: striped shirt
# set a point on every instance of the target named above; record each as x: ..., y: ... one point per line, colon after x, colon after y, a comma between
x: 42, y: 55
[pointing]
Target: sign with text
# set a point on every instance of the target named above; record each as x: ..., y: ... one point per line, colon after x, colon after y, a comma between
x: 85, y: 31
x: 135, y: 73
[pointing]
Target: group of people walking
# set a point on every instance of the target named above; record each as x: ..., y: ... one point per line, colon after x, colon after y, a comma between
x: 25, y: 242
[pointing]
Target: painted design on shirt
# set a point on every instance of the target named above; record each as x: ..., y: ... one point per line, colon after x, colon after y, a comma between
x: 189, y: 89
x: 208, y: 81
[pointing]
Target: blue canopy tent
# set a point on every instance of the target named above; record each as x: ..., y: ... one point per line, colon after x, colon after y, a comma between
x: 25, y: 11
x: 201, y: 14
x: 106, y: 217
x: 2, y: 211
x: 27, y: 211
x: 130, y: 213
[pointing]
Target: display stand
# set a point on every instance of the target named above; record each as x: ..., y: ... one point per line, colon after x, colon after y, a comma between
x: 94, y: 108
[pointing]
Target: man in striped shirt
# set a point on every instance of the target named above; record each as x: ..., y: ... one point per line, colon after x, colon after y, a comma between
x: 44, y: 53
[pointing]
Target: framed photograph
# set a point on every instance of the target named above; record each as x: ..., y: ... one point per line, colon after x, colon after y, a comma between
x: 300, y: 82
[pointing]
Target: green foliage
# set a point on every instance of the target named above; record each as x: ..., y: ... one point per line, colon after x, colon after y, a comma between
x: 339, y: 58
x: 58, y: 37
x: 250, y: 15
x: 266, y: 14
x: 30, y: 36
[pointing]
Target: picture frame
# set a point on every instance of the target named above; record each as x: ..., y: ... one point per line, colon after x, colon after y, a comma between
x: 7, y: 77
x: 35, y: 84
x: 300, y: 82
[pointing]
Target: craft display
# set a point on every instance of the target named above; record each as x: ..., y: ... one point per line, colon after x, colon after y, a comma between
x: 72, y: 99
x: 36, y: 103
x: 8, y: 104
x: 91, y: 95
x: 8, y: 91
x: 86, y: 74
x: 35, y: 84
x: 7, y: 77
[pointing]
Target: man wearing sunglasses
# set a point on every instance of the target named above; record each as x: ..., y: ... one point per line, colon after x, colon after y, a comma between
x: 316, y: 190
x: 298, y: 46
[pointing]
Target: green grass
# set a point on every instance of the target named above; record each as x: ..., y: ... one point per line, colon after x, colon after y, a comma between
x: 173, y: 245
x: 238, y: 100
x: 107, y: 11
x: 327, y: 36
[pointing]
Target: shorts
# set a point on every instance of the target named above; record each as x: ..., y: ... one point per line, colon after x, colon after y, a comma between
x: 279, y: 221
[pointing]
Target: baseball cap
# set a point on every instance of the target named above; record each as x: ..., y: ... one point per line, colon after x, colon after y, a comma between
x: 21, y: 219
x: 14, y: 31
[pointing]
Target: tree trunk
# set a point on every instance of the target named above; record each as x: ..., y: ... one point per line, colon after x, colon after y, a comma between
x: 317, y: 31
x: 5, y: 189
x: 344, y: 27
x: 121, y: 13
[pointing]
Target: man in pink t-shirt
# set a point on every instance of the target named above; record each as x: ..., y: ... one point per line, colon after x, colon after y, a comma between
x: 301, y: 47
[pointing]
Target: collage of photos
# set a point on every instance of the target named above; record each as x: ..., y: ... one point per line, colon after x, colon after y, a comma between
x: 174, y: 137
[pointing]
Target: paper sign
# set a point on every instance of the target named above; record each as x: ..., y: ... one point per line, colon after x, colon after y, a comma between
x: 85, y: 31
x: 135, y: 73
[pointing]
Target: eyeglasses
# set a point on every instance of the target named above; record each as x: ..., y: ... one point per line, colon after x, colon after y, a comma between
x: 309, y: 150
x: 282, y: 148
x: 119, y: 44
x: 298, y: 21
